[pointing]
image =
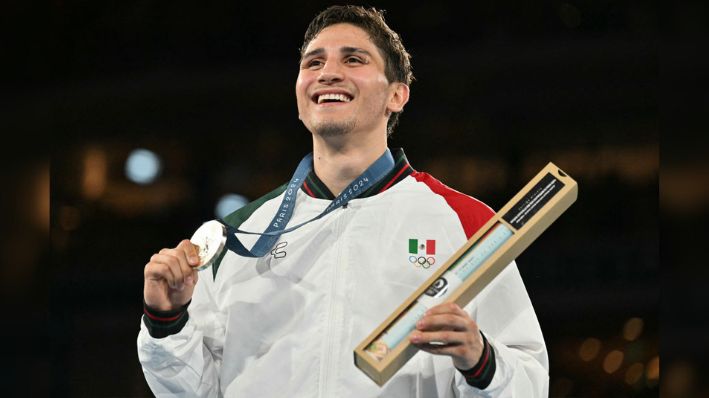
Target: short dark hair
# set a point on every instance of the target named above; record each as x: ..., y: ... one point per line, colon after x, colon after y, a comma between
x: 371, y: 20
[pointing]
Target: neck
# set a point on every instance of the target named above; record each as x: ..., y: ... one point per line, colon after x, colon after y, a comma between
x: 337, y: 164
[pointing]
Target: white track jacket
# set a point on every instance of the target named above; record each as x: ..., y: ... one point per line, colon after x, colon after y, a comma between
x: 286, y: 324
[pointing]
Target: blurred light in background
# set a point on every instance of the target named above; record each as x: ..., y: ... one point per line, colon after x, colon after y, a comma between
x: 589, y: 349
x: 634, y: 373
x: 229, y: 203
x: 143, y: 166
x: 679, y: 379
x: 652, y: 371
x: 632, y: 329
x: 613, y: 361
x: 638, y: 164
x: 682, y: 190
x: 93, y: 183
x: 42, y: 199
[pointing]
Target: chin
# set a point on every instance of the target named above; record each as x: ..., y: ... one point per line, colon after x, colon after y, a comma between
x: 334, y: 129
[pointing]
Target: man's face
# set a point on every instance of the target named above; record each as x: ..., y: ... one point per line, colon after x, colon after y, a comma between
x: 341, y: 86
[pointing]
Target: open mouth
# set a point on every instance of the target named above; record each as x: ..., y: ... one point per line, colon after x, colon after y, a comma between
x: 331, y: 97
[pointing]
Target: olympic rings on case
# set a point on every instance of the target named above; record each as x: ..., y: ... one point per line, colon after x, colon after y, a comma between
x: 422, y: 261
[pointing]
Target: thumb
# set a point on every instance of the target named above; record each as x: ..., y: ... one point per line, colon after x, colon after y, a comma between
x: 191, y: 252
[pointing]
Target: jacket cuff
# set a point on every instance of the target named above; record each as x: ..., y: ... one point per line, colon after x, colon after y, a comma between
x: 480, y: 375
x: 165, y: 323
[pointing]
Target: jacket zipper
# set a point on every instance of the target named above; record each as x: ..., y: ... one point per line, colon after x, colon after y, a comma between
x: 334, y: 316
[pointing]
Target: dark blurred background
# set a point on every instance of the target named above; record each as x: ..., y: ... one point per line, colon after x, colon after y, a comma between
x: 206, y: 89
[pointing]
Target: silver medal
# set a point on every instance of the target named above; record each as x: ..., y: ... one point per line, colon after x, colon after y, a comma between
x: 210, y: 239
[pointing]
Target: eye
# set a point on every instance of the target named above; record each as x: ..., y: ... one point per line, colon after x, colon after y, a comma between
x: 353, y: 59
x: 312, y: 64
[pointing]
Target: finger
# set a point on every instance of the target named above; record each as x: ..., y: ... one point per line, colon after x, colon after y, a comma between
x: 448, y: 349
x: 444, y: 321
x: 447, y: 315
x: 170, y: 259
x: 446, y: 308
x: 191, y: 252
x: 159, y: 271
x: 439, y: 338
x: 180, y: 254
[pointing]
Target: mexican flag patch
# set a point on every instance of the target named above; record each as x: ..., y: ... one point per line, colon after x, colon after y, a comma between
x: 427, y: 246
x: 422, y: 252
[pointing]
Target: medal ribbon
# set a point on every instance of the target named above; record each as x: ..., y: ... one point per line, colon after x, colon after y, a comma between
x: 277, y: 227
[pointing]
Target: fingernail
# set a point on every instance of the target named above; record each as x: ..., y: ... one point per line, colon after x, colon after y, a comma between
x: 189, y: 280
x: 419, y: 324
x: 194, y: 259
x: 415, y: 338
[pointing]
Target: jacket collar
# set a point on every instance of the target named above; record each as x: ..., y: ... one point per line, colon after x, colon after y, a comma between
x: 314, y: 187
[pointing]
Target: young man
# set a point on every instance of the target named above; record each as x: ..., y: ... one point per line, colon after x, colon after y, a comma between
x: 285, y: 324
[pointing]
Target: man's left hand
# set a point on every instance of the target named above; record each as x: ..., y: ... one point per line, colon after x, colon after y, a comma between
x: 448, y: 330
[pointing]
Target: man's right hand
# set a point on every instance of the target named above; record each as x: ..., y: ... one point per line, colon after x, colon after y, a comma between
x: 170, y: 277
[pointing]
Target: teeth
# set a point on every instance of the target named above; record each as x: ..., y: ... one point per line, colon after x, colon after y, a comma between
x: 336, y: 97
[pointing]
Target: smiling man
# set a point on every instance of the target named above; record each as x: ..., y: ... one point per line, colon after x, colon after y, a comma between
x: 284, y: 322
x: 345, y: 98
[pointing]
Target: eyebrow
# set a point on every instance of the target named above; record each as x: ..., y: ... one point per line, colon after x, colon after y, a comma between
x: 353, y: 50
x: 317, y: 51
x: 343, y: 50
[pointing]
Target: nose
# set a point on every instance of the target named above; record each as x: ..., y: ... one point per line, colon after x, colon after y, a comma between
x: 330, y: 73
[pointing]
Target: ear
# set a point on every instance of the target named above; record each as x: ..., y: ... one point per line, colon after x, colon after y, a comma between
x: 398, y: 97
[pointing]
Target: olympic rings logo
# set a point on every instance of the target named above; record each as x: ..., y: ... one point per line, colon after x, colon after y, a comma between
x: 422, y: 261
